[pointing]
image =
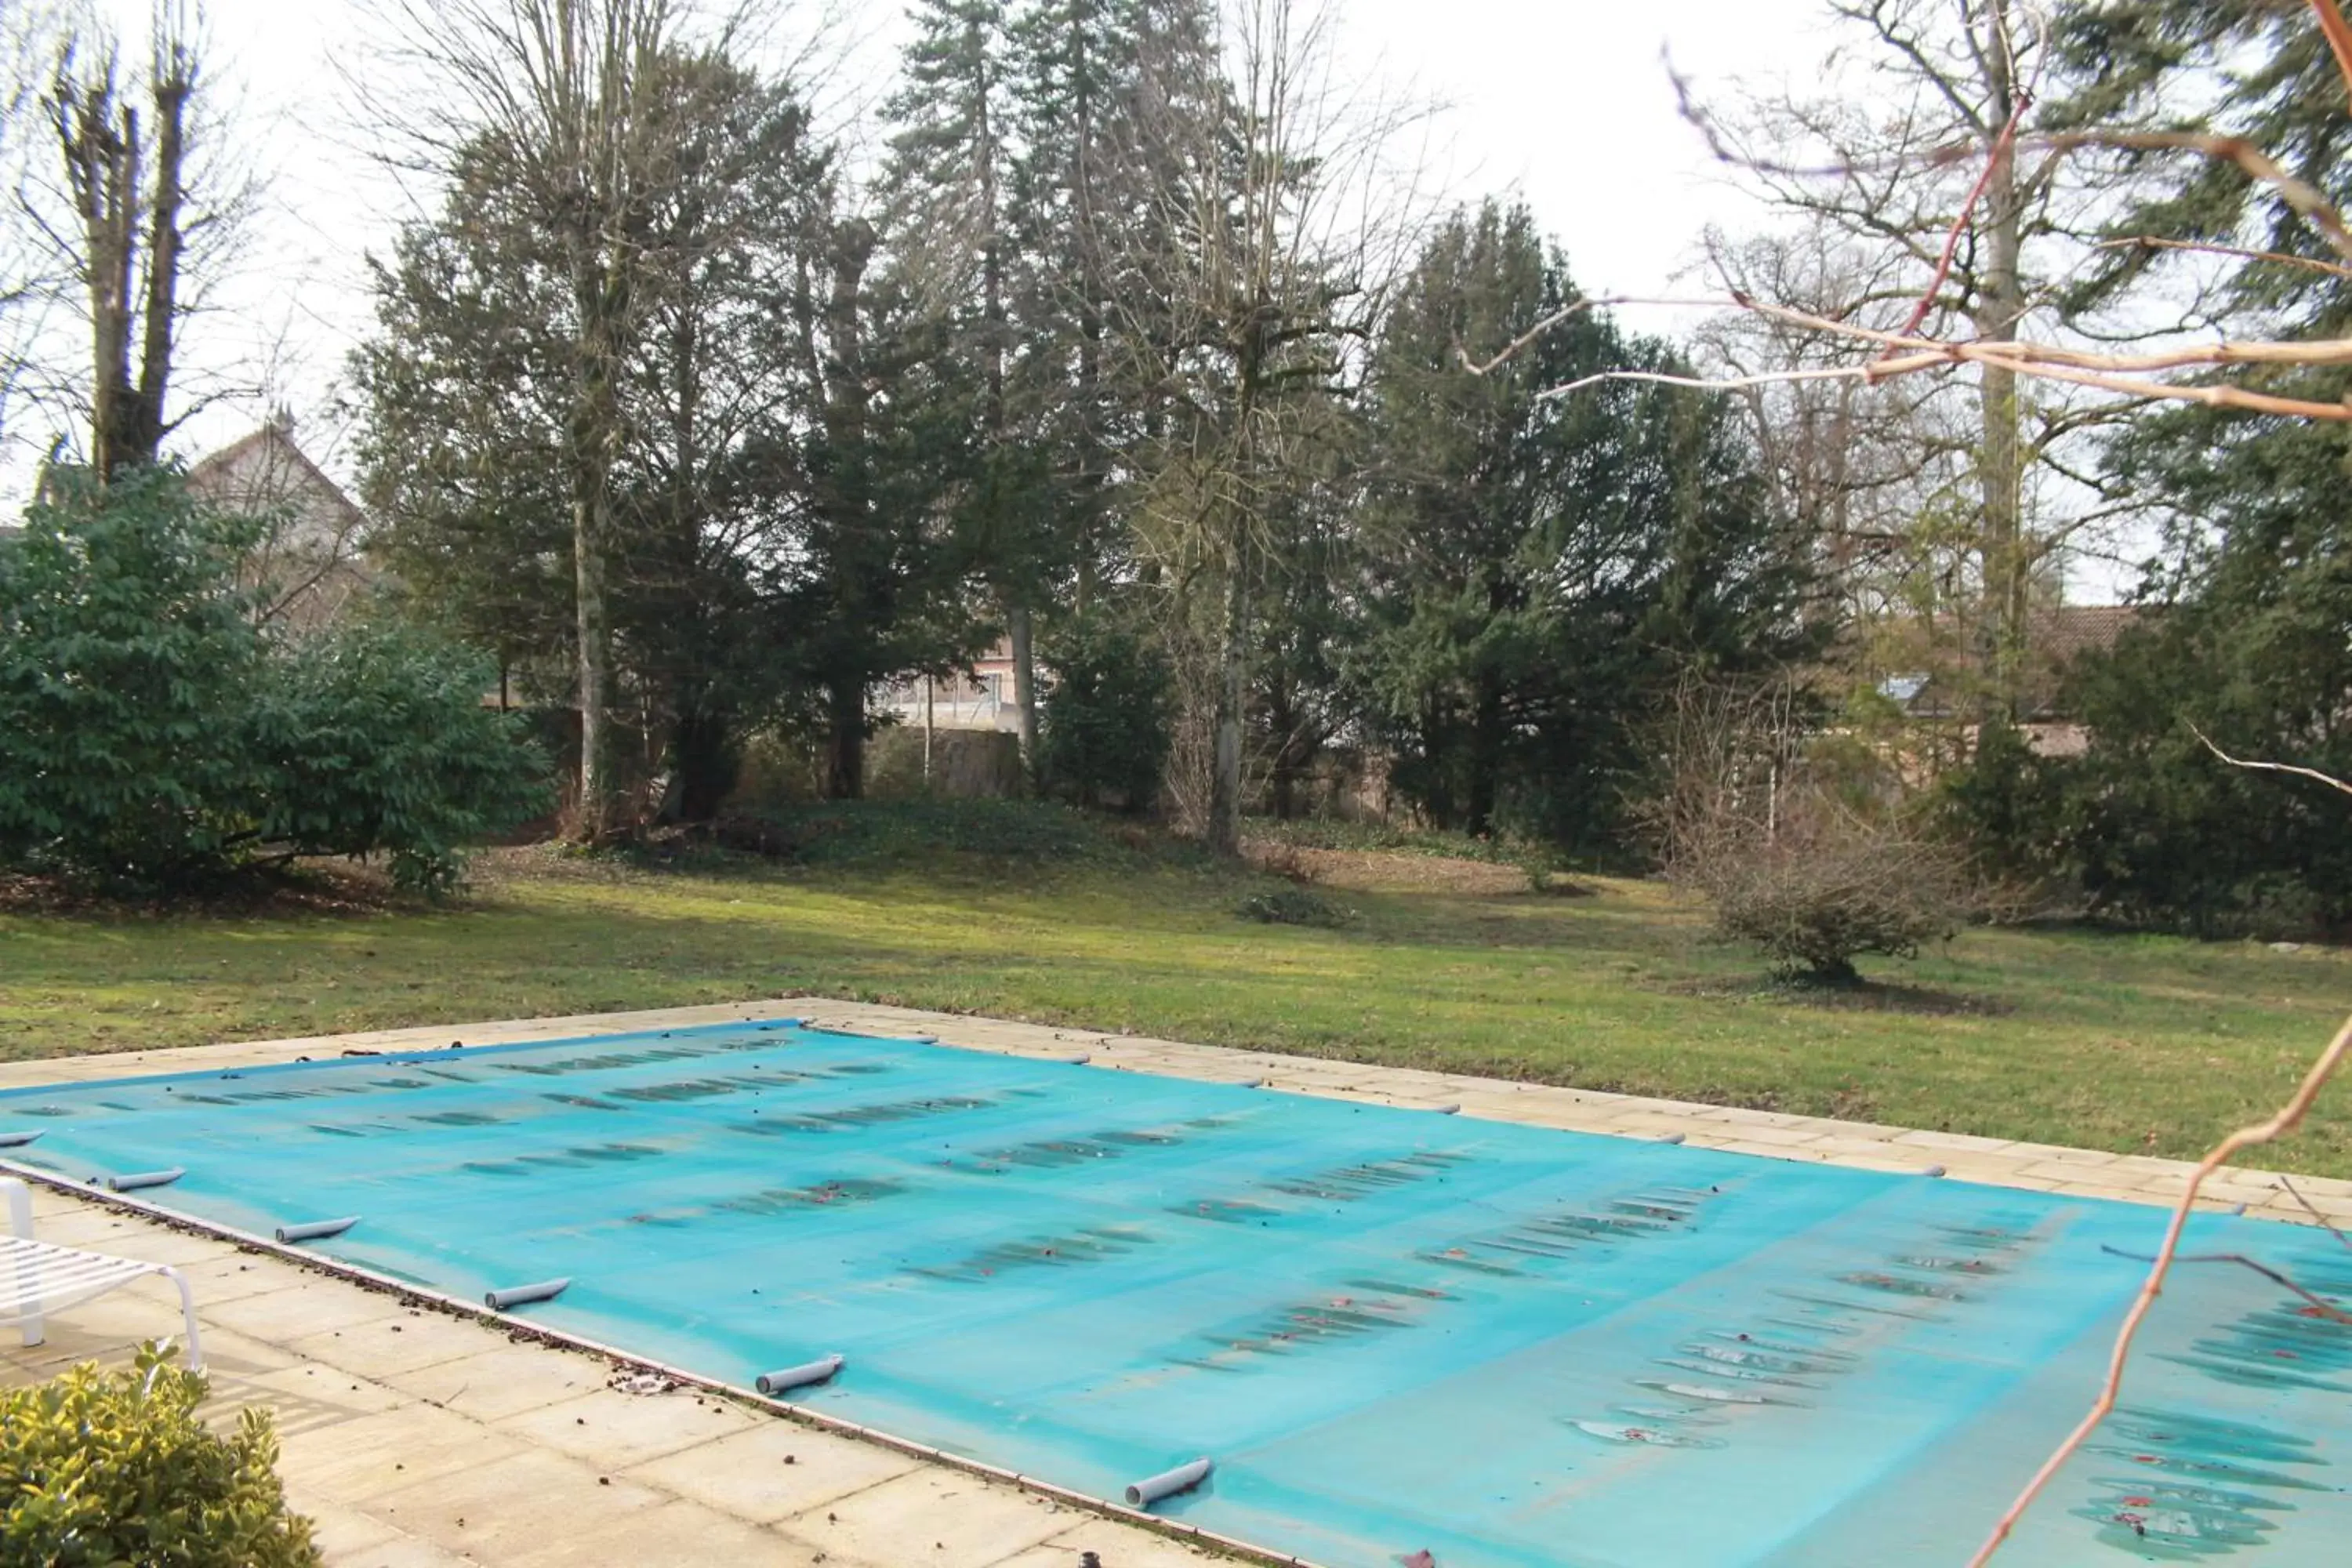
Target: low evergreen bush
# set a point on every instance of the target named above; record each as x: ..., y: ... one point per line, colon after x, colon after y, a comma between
x: 110, y: 1469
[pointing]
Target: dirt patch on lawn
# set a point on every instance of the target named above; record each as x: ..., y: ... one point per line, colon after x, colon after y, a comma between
x: 1389, y: 871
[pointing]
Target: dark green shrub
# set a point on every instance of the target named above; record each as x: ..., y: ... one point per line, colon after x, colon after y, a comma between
x: 124, y: 654
x: 373, y: 738
x: 151, y: 734
x: 99, y: 1469
x: 1104, y: 731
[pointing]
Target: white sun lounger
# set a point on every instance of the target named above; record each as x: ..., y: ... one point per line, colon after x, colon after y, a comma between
x: 36, y: 1278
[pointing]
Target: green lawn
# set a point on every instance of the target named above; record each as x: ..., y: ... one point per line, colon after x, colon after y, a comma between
x: 2125, y: 1043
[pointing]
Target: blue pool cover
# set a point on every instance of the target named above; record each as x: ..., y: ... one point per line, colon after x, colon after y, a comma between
x: 1394, y: 1331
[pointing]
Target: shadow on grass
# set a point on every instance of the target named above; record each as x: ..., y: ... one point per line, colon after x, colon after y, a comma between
x: 296, y: 890
x: 1848, y: 996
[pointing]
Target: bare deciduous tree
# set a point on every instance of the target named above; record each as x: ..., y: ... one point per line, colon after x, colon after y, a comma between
x: 127, y: 215
x: 1934, y: 241
x: 1269, y: 255
x: 562, y: 98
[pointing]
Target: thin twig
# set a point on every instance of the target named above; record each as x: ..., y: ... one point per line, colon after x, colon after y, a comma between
x: 2339, y: 38
x: 2288, y: 1117
x: 2330, y: 781
x: 2240, y: 252
x: 2305, y: 197
x: 1524, y: 339
x: 2325, y: 1222
x: 2326, y: 1307
x: 2003, y: 146
x: 2211, y: 394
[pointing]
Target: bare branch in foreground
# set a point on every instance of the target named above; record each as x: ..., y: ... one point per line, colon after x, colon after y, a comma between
x: 2239, y: 252
x: 2339, y: 38
x: 2330, y: 780
x: 2320, y: 1305
x: 1532, y: 334
x: 2323, y: 1222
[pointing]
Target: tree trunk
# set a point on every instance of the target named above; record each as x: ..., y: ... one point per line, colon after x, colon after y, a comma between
x: 704, y: 753
x: 594, y: 645
x: 1232, y: 664
x: 1019, y: 625
x: 591, y: 505
x: 1285, y: 780
x: 930, y: 730
x: 2001, y: 636
x: 1486, y: 754
x: 139, y: 439
x: 103, y: 147
x: 1289, y: 757
x: 844, y: 763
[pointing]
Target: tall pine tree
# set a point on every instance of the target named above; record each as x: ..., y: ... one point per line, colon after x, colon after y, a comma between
x: 1540, y: 571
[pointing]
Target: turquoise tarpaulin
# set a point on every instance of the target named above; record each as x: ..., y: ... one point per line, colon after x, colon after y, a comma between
x: 1394, y: 1331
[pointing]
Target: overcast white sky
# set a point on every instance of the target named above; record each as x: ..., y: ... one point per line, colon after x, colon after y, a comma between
x: 1565, y: 101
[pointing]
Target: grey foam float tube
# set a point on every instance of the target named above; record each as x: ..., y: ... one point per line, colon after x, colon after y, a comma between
x: 18, y: 1140
x: 316, y: 1229
x: 801, y: 1376
x: 1167, y: 1483
x: 523, y: 1295
x: 132, y: 1181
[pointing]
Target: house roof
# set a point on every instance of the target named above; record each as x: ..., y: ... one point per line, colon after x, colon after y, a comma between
x: 1926, y: 675
x: 214, y: 468
x: 2062, y: 632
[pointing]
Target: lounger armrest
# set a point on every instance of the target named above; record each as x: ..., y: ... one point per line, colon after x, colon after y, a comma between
x: 20, y: 1207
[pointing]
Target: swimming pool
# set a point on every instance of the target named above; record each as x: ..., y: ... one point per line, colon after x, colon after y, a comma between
x: 1392, y: 1330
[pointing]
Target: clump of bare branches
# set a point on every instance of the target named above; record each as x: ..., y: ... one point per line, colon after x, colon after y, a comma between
x: 1809, y: 855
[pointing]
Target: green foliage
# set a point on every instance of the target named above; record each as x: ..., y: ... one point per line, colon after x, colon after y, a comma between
x: 1105, y: 728
x: 150, y: 734
x: 375, y: 740
x: 2149, y: 827
x: 123, y: 647
x: 1543, y: 570
x: 104, y: 1470
x: 468, y: 454
x: 1295, y: 907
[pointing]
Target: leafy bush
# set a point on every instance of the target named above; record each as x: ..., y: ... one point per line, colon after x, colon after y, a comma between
x: 1104, y: 729
x: 1295, y: 907
x: 99, y: 1469
x: 123, y: 648
x: 150, y: 733
x: 373, y: 738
